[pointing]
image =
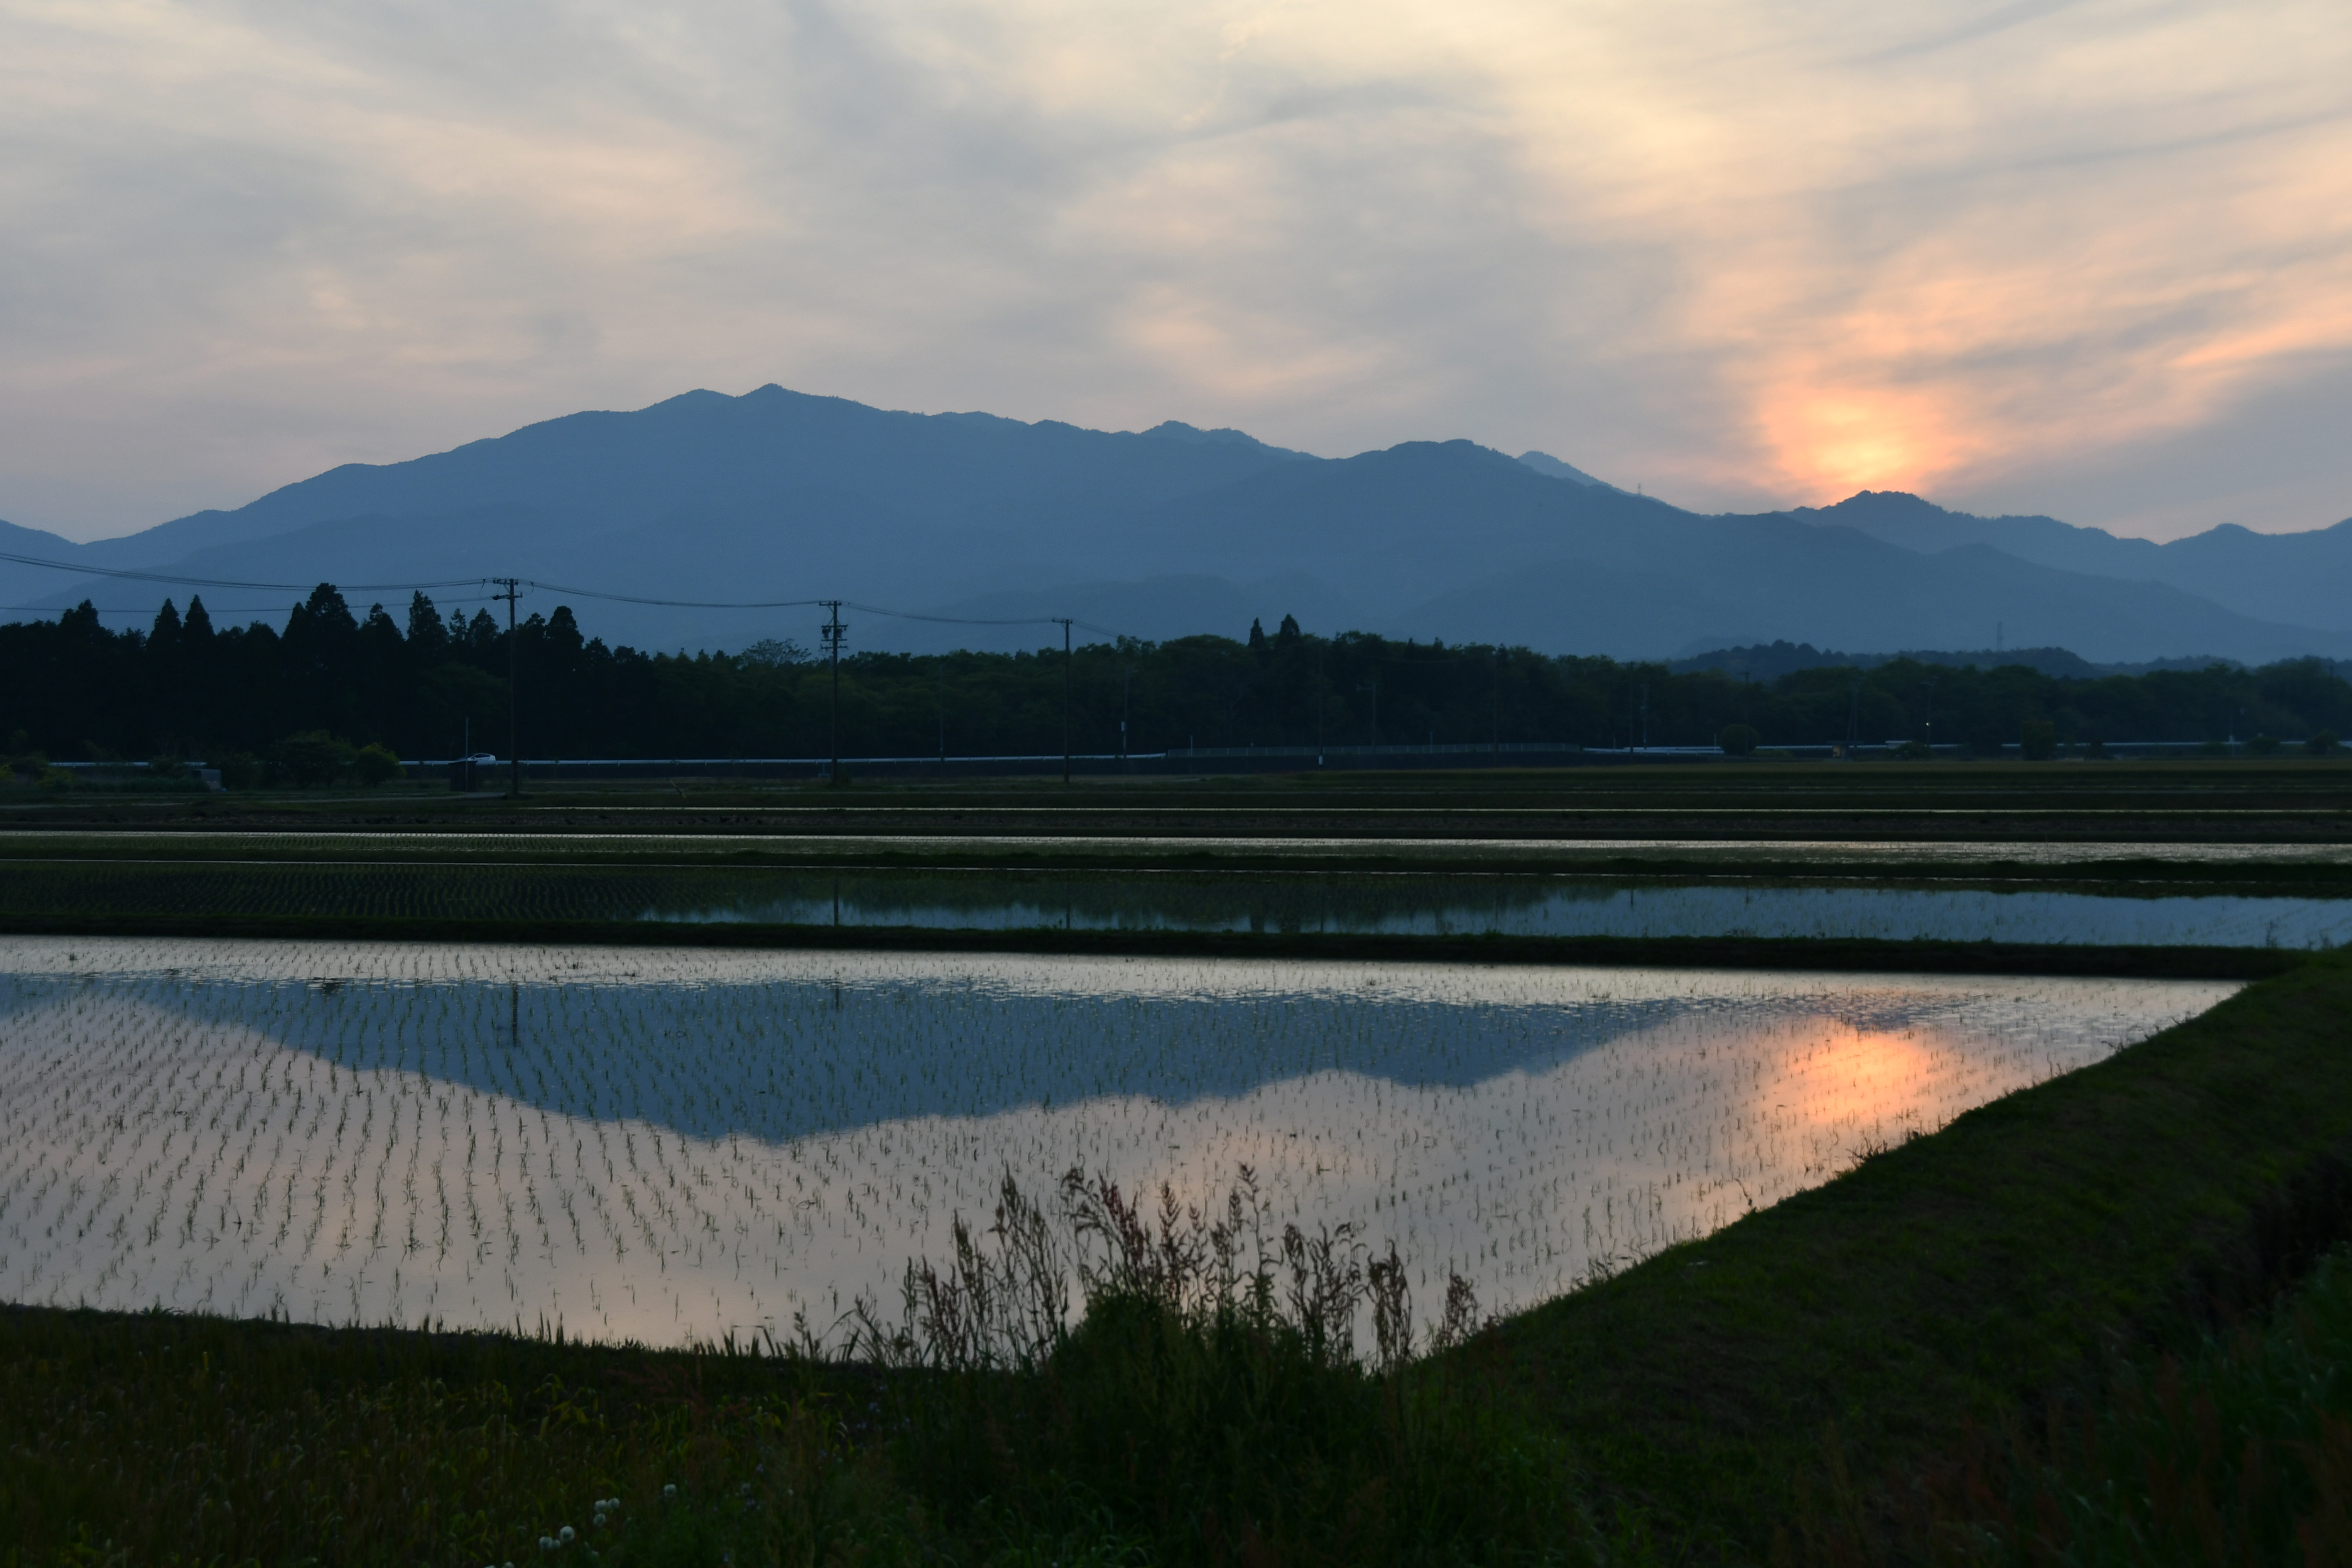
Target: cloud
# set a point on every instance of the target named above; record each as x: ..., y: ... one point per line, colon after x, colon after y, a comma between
x: 1744, y: 253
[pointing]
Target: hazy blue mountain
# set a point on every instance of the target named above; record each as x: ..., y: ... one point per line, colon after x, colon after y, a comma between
x: 2305, y: 578
x: 1545, y: 463
x: 777, y: 496
x: 2299, y: 578
x: 23, y: 585
x: 1740, y: 583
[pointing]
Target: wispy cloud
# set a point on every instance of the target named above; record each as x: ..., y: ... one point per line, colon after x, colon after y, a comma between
x: 2019, y: 255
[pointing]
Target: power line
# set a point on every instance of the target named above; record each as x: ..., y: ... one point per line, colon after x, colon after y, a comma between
x: 684, y: 604
x: 174, y: 580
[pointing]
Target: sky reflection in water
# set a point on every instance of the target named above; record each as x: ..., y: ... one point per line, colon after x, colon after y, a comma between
x: 671, y: 1144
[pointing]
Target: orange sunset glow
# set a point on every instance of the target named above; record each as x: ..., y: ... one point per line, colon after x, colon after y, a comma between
x: 1870, y: 1081
x: 1743, y: 256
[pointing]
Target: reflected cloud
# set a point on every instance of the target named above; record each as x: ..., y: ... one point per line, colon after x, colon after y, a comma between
x: 672, y: 1145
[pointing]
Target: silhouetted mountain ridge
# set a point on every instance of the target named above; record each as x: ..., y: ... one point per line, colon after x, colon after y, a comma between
x: 781, y: 496
x: 2297, y: 578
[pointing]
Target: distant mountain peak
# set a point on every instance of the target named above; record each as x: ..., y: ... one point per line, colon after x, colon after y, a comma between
x: 1880, y: 502
x: 1224, y: 435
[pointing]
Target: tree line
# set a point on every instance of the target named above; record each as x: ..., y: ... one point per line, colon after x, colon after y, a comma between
x: 312, y: 695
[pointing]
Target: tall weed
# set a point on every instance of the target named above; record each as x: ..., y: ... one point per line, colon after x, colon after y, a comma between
x: 1192, y: 1383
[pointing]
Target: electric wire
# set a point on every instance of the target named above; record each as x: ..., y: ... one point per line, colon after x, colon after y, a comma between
x: 176, y: 580
x: 171, y: 579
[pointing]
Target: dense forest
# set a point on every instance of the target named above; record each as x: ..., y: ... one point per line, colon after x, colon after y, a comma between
x: 70, y: 689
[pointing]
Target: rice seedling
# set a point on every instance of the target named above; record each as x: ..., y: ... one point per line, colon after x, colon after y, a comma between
x: 677, y: 1146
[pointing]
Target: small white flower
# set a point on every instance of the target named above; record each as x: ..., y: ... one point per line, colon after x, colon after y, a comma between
x: 669, y: 1490
x: 565, y: 1535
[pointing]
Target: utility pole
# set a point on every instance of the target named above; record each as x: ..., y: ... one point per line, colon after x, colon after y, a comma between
x: 514, y: 748
x: 833, y: 631
x: 1065, y: 697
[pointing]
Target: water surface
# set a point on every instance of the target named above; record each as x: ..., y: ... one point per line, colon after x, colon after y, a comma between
x: 1434, y: 905
x: 670, y: 1145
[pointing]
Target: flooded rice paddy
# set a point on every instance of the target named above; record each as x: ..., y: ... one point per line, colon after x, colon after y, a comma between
x: 1268, y: 900
x: 1524, y: 906
x: 672, y: 1145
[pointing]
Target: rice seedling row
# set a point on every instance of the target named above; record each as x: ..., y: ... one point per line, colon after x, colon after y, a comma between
x: 673, y: 1145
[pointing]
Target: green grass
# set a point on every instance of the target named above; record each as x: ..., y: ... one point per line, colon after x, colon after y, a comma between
x: 2238, y: 801
x: 1960, y: 1276
x: 1782, y: 1386
x: 159, y: 1439
x: 2238, y: 1450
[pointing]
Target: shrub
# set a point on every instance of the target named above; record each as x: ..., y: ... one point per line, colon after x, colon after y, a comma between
x: 2262, y: 746
x: 1737, y: 740
x: 2322, y: 743
x: 376, y: 764
x: 310, y: 758
x: 2040, y: 738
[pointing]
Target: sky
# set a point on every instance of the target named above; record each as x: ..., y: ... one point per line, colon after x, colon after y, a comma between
x: 2090, y: 258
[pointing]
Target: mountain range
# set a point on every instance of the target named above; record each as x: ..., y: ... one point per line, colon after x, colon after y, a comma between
x: 780, y: 496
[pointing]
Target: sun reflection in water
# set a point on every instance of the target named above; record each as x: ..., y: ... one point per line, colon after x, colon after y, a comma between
x: 671, y: 1146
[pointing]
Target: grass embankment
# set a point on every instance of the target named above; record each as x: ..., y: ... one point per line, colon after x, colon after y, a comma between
x: 418, y: 853
x: 1960, y: 1276
x: 2232, y: 802
x: 2238, y: 1451
x: 1700, y: 1406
